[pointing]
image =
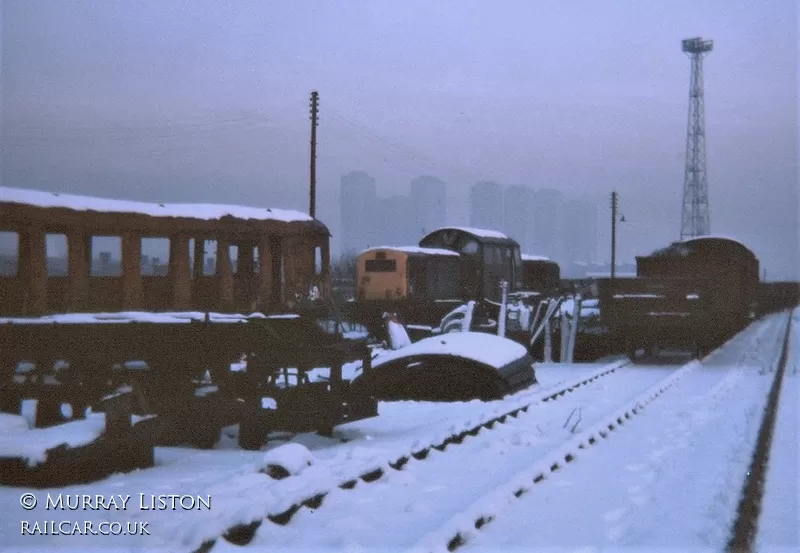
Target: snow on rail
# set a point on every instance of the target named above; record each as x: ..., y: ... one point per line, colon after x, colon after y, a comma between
x: 40, y: 198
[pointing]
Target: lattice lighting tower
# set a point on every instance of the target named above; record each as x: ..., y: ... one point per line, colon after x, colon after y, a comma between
x: 694, y: 216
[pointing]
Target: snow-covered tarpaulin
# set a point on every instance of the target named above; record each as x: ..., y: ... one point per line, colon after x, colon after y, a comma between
x: 457, y: 366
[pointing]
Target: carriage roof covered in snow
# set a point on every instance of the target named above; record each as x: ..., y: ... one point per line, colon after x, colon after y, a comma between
x: 449, y: 238
x: 20, y: 208
x: 704, y: 245
x: 701, y: 256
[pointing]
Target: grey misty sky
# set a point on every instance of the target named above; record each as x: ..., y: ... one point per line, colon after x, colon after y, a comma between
x: 208, y: 101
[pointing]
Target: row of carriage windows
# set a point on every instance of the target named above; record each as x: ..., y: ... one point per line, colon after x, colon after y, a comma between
x: 107, y: 256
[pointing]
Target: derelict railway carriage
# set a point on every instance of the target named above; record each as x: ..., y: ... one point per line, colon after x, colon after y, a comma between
x: 488, y: 258
x: 280, y: 255
x: 79, y: 356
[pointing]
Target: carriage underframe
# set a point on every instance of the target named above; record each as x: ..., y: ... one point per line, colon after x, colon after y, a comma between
x: 166, y: 367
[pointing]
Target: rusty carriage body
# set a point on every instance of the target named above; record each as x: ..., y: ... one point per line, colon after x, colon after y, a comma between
x: 173, y: 337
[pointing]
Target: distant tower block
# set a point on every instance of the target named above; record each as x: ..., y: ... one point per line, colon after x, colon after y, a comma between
x: 695, y: 215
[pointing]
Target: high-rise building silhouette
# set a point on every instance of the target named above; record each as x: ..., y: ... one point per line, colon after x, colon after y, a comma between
x: 486, y: 206
x: 429, y: 204
x: 518, y: 205
x: 358, y: 212
x: 548, y: 223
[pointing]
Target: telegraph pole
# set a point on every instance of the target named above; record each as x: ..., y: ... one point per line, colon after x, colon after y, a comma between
x: 614, y: 201
x: 312, y: 208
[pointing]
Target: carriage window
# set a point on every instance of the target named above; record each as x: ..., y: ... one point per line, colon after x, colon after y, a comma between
x: 492, y: 255
x: 106, y: 256
x: 317, y: 260
x: 190, y: 253
x: 470, y: 247
x: 518, y: 268
x: 380, y: 265
x: 56, y: 254
x: 209, y: 257
x: 153, y: 251
x: 233, y: 255
x: 9, y: 253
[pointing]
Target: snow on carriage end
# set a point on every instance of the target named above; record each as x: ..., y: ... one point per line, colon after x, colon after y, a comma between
x: 40, y: 198
x: 484, y: 348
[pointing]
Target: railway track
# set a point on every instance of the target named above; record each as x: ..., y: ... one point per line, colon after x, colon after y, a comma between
x: 521, y: 403
x: 746, y: 525
x: 472, y: 522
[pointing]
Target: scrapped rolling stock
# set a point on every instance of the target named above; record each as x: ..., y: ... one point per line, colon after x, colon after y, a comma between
x: 541, y: 274
x: 695, y: 293
x: 450, y: 266
x: 78, y: 333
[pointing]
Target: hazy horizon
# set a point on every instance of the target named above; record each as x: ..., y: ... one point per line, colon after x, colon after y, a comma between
x: 206, y: 102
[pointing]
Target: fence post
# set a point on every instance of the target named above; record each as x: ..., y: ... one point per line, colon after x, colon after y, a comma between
x: 501, y: 323
x: 466, y: 323
x: 548, y: 340
x: 564, y: 335
x: 573, y: 334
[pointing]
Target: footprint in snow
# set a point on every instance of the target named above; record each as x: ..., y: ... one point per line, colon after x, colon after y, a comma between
x: 635, y: 468
x: 616, y: 532
x: 615, y: 515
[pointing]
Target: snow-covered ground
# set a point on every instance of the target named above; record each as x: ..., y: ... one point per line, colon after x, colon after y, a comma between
x: 779, y: 524
x: 669, y: 477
